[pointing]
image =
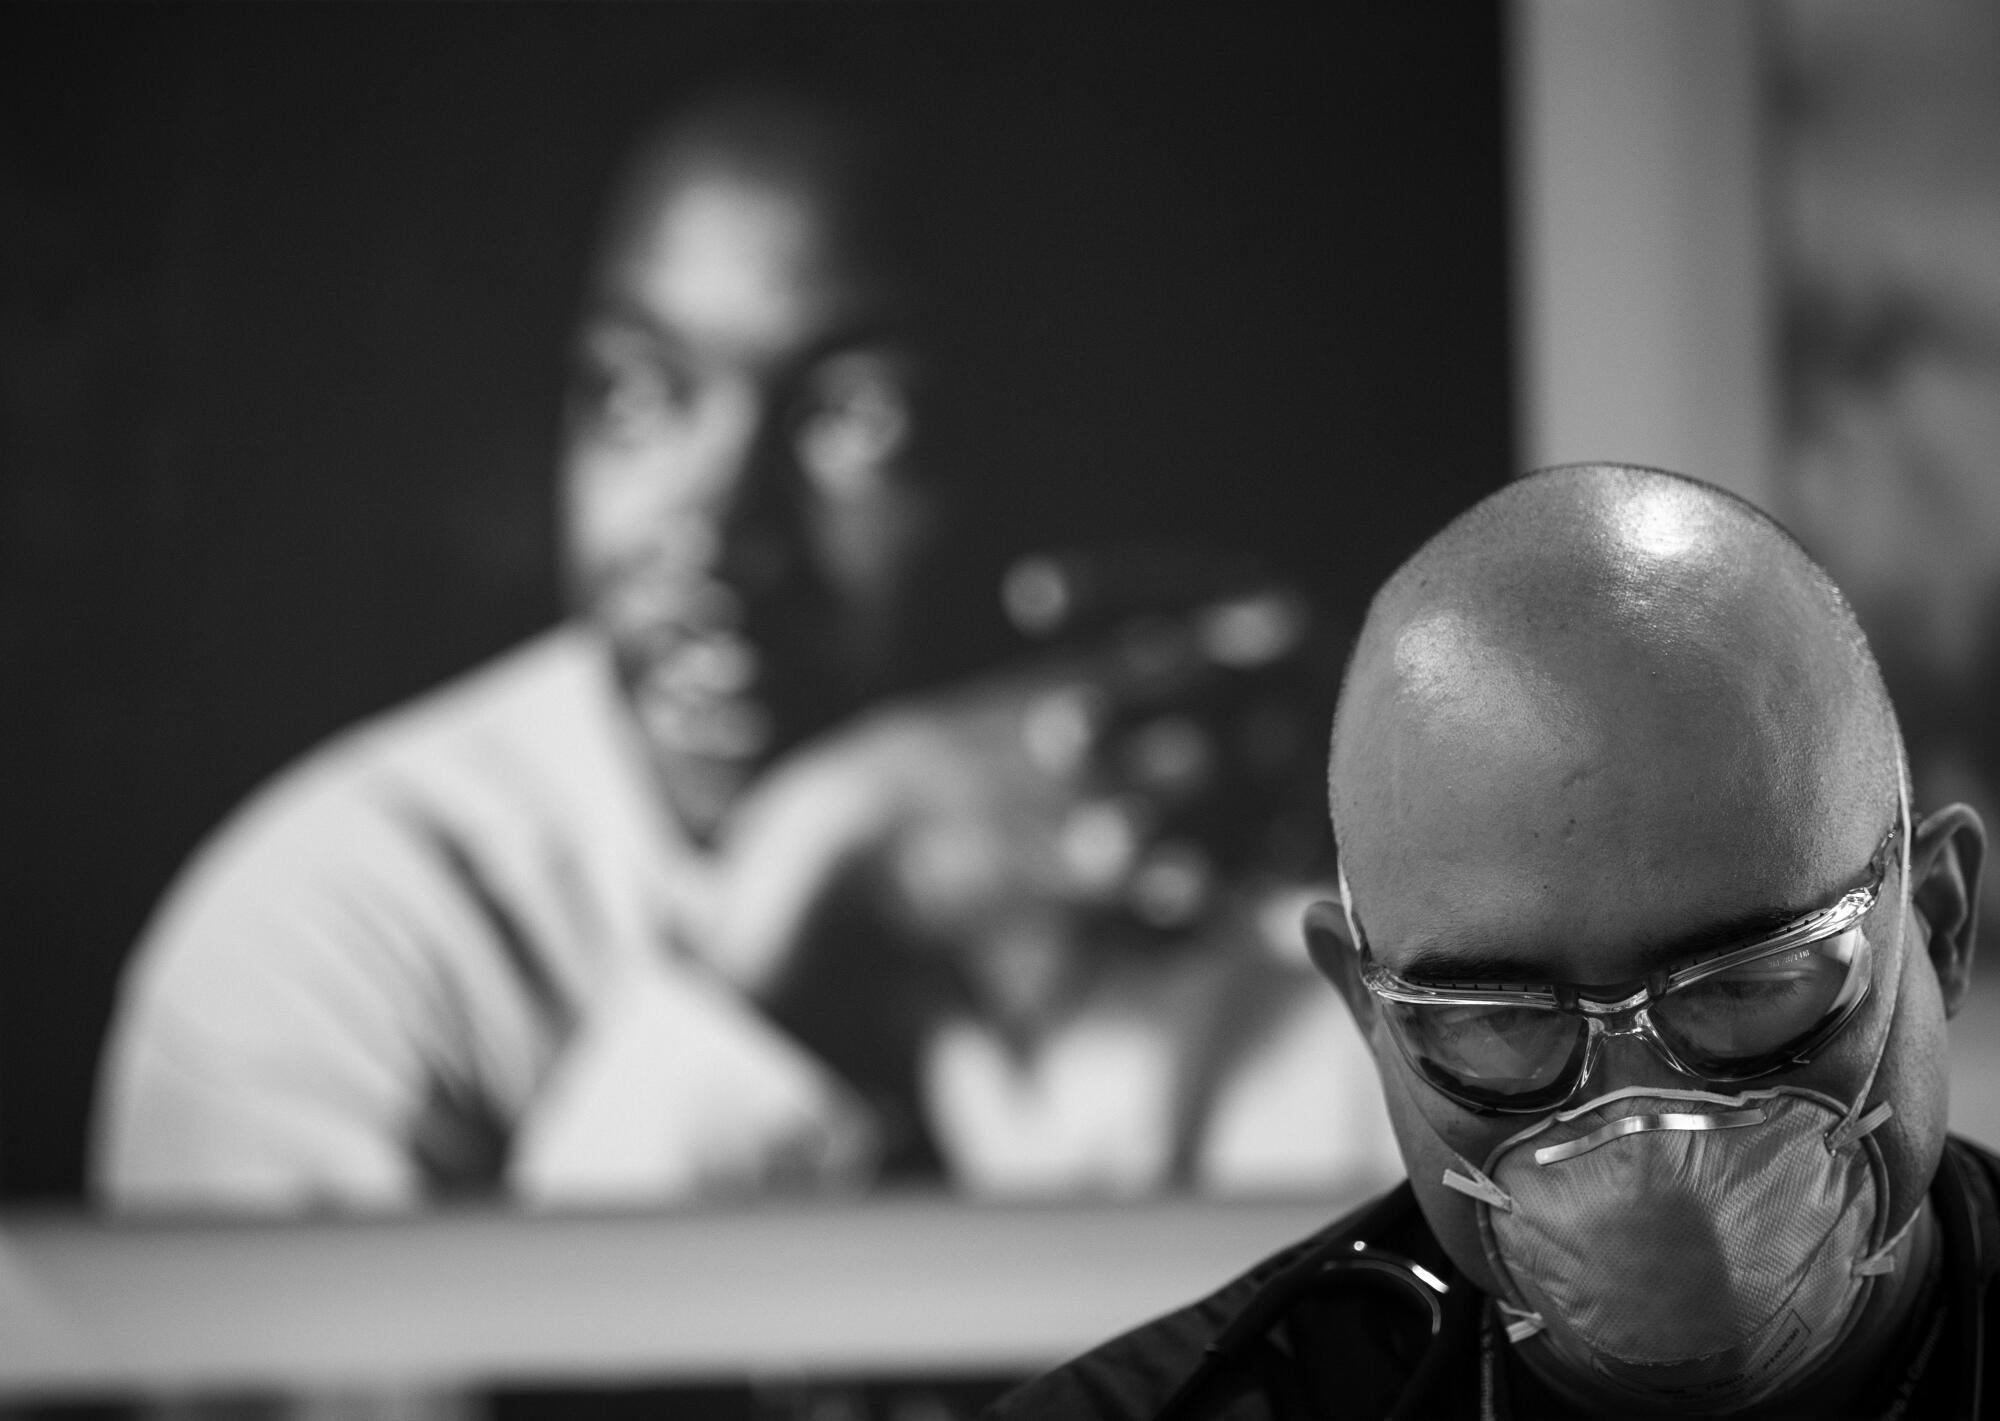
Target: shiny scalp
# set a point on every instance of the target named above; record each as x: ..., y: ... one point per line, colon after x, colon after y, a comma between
x: 1655, y: 559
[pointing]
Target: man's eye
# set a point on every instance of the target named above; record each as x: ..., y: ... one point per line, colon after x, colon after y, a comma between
x: 1467, y: 1023
x: 1750, y: 990
x: 855, y: 423
x: 626, y: 397
x: 1758, y: 988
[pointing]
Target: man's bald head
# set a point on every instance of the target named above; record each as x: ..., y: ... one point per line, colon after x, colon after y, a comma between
x: 1595, y: 647
x: 1610, y: 722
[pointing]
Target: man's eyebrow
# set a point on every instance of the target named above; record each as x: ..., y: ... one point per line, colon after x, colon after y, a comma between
x: 631, y: 316
x: 625, y: 314
x: 1450, y: 964
x: 1437, y: 966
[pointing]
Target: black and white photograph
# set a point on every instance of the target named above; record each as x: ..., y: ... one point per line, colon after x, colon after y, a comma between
x: 883, y: 710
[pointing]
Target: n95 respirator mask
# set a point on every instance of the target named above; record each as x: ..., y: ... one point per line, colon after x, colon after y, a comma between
x: 1687, y: 1249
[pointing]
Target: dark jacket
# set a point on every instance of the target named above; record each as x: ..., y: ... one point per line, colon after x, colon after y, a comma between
x: 1312, y: 1333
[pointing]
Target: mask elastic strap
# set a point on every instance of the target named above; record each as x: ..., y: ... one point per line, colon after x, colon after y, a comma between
x: 1858, y: 1124
x: 1883, y: 1259
x: 1476, y: 1185
x: 1521, y: 1323
x: 1853, y: 1127
x: 1859, y: 1119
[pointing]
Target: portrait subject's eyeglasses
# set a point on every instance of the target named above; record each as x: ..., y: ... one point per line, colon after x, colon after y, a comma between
x: 1761, y: 1006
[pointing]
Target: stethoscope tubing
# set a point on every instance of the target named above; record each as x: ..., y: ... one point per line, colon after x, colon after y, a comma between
x: 1347, y: 1258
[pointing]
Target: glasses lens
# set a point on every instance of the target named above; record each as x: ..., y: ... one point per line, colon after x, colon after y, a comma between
x: 1764, y: 1006
x: 1490, y: 1053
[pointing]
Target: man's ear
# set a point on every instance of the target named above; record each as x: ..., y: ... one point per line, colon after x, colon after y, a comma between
x: 1947, y: 851
x: 1334, y: 955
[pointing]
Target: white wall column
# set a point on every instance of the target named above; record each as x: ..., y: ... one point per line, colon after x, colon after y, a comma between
x: 1644, y: 318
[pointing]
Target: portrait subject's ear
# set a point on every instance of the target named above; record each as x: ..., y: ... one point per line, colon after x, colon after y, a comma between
x: 1334, y: 955
x: 1947, y: 851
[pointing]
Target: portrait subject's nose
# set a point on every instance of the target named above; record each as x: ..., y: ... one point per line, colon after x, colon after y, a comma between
x: 739, y: 502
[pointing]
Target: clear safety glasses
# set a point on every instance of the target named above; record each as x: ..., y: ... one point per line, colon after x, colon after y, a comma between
x: 1515, y: 1048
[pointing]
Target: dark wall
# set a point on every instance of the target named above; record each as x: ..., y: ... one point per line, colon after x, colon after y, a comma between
x: 285, y: 292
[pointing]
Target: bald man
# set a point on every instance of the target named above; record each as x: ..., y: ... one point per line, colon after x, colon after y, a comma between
x: 586, y: 924
x: 1654, y: 957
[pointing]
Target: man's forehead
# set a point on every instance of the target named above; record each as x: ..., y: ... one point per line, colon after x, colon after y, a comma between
x: 1496, y: 801
x: 745, y: 260
x: 1459, y: 712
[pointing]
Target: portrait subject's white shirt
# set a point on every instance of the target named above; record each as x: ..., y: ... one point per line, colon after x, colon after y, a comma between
x: 454, y: 950
x: 365, y: 986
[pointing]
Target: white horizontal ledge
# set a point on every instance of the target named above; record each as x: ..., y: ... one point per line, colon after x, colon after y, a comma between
x: 884, y: 1287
